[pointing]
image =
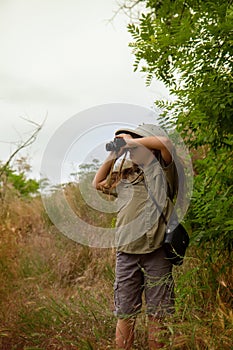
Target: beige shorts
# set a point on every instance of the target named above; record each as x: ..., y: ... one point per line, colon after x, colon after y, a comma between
x: 149, y: 273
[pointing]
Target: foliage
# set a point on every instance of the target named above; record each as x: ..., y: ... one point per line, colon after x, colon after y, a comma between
x: 88, y: 169
x: 212, y: 203
x: 19, y: 182
x: 188, y: 45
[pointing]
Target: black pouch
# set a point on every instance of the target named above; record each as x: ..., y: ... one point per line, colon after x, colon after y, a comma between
x: 176, y: 241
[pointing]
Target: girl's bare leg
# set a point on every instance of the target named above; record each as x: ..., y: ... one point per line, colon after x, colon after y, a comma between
x: 125, y: 333
x: 155, y: 328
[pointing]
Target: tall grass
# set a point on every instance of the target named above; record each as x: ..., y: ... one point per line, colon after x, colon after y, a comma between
x: 204, y: 305
x: 57, y: 294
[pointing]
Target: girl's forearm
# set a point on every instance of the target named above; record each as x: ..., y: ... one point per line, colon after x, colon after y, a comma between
x: 104, y: 170
x: 154, y: 142
x: 159, y: 143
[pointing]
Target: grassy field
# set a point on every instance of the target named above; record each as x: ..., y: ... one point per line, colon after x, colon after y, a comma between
x: 57, y: 294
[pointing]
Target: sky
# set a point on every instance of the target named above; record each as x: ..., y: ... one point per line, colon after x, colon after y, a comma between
x: 58, y: 59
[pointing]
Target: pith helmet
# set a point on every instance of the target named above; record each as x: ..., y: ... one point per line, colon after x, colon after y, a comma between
x: 143, y: 130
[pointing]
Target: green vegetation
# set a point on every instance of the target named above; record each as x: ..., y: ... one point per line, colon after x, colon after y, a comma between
x: 188, y: 46
x: 20, y: 183
x: 57, y: 294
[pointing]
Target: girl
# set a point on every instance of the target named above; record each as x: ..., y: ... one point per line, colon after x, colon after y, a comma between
x: 141, y: 263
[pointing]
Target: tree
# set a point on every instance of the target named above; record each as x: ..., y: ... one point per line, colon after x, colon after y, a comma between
x: 18, y: 180
x: 25, y: 187
x: 188, y: 46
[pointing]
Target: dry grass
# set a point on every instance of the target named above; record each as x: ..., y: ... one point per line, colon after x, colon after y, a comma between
x: 57, y: 294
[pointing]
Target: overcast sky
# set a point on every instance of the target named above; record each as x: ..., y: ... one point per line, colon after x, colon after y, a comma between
x: 58, y: 58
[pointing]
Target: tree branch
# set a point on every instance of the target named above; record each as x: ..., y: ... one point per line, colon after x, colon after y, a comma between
x: 24, y: 144
x: 127, y: 8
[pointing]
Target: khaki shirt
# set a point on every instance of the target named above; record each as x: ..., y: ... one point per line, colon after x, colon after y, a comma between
x: 140, y: 227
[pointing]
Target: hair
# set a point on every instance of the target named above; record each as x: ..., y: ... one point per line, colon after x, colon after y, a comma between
x: 116, y: 176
